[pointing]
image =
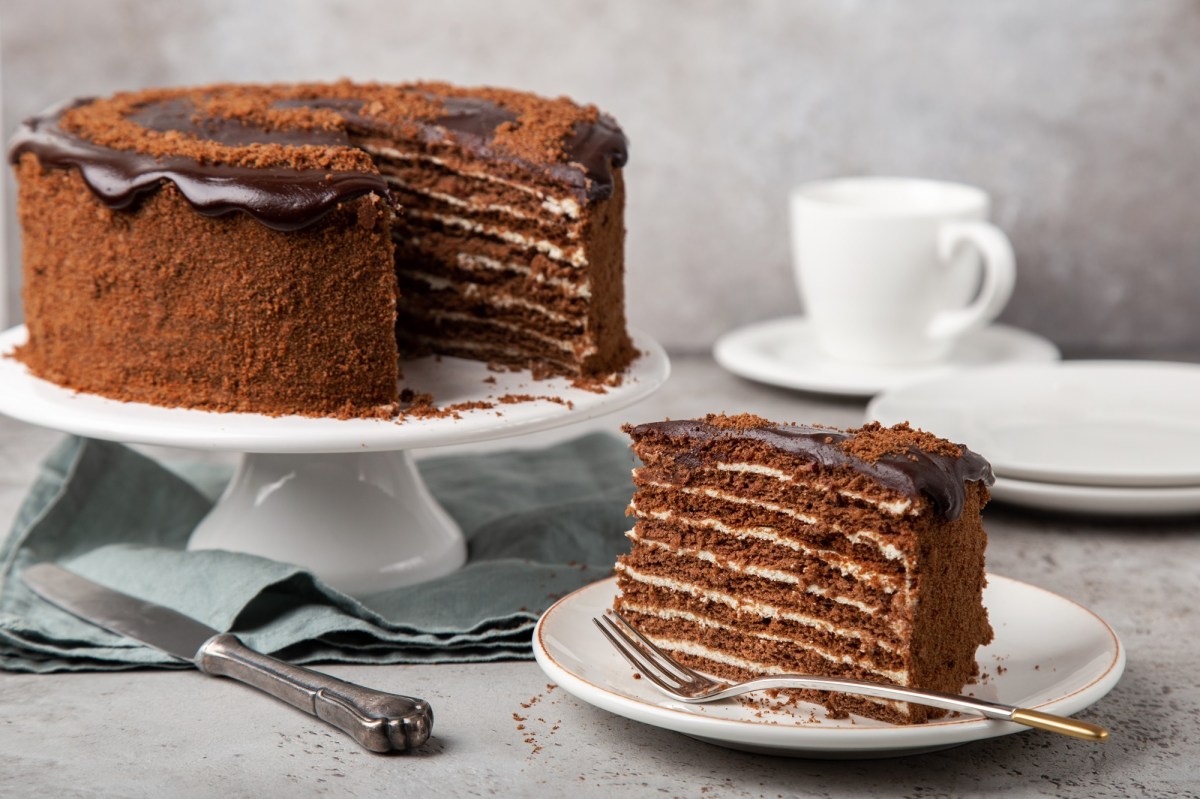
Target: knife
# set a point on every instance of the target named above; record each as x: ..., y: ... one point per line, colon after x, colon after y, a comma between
x: 379, y: 721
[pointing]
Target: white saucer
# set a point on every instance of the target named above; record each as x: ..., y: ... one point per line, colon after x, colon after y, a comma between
x: 1099, y: 500
x: 784, y: 352
x: 1055, y: 655
x: 1120, y: 424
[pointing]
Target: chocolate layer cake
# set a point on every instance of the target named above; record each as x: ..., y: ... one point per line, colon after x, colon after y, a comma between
x: 275, y: 248
x: 762, y: 548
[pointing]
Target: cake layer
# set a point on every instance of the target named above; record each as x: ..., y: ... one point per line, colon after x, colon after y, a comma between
x: 669, y: 598
x: 862, y: 466
x: 470, y: 181
x: 841, y: 555
x: 458, y: 255
x: 761, y: 654
x: 523, y: 241
x: 559, y: 318
x: 452, y: 333
x: 500, y: 204
x: 844, y: 612
x: 800, y: 498
x: 499, y: 287
x: 845, y: 532
x: 763, y: 557
x: 790, y: 479
x: 546, y: 276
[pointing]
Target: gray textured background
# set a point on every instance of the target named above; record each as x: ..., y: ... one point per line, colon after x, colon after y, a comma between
x: 1080, y: 118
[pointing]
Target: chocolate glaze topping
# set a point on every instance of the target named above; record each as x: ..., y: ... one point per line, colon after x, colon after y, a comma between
x: 287, y: 198
x: 181, y: 115
x: 940, y: 477
x: 598, y: 148
x: 473, y: 119
x: 593, y: 149
x: 282, y: 199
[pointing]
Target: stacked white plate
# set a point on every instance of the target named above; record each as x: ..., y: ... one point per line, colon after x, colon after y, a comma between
x: 1093, y: 437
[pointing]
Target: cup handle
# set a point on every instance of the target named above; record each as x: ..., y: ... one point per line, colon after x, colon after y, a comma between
x: 999, y: 275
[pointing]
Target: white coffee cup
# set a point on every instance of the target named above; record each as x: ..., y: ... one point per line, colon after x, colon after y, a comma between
x: 893, y: 271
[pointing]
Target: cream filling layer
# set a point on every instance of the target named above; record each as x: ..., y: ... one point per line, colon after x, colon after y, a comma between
x: 890, y: 551
x: 753, y: 606
x: 669, y: 614
x: 889, y: 583
x: 774, y: 575
x: 754, y: 468
x: 894, y: 507
x: 565, y: 206
x: 580, y: 288
x: 575, y: 257
x: 496, y: 300
x: 713, y: 493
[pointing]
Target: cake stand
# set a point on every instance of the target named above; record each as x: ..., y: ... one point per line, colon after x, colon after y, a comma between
x: 339, y: 497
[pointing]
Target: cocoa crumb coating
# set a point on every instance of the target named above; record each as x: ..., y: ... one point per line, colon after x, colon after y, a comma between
x: 232, y: 247
x: 165, y: 306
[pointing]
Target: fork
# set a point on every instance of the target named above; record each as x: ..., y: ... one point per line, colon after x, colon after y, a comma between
x: 687, y: 685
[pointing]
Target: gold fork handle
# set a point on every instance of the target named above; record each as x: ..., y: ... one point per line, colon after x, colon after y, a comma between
x: 1059, y: 724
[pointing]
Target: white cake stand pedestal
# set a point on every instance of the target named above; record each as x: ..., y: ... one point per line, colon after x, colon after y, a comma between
x: 341, y: 498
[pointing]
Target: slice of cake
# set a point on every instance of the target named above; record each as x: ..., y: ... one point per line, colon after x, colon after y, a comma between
x: 274, y: 248
x: 762, y: 548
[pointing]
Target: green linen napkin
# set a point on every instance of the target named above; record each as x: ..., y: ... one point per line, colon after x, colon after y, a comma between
x: 538, y: 523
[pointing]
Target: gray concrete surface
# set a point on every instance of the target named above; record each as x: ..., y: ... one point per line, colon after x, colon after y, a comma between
x: 180, y: 734
x: 1078, y: 117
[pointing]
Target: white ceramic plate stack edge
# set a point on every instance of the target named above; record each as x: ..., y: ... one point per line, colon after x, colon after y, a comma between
x: 1092, y: 437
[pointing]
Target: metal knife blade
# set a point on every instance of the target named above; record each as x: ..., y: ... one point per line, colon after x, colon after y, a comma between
x: 378, y: 721
x: 146, y: 622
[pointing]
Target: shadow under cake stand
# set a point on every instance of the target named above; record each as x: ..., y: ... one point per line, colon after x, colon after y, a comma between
x: 340, y: 497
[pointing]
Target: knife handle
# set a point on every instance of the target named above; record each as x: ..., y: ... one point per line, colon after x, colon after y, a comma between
x: 379, y: 721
